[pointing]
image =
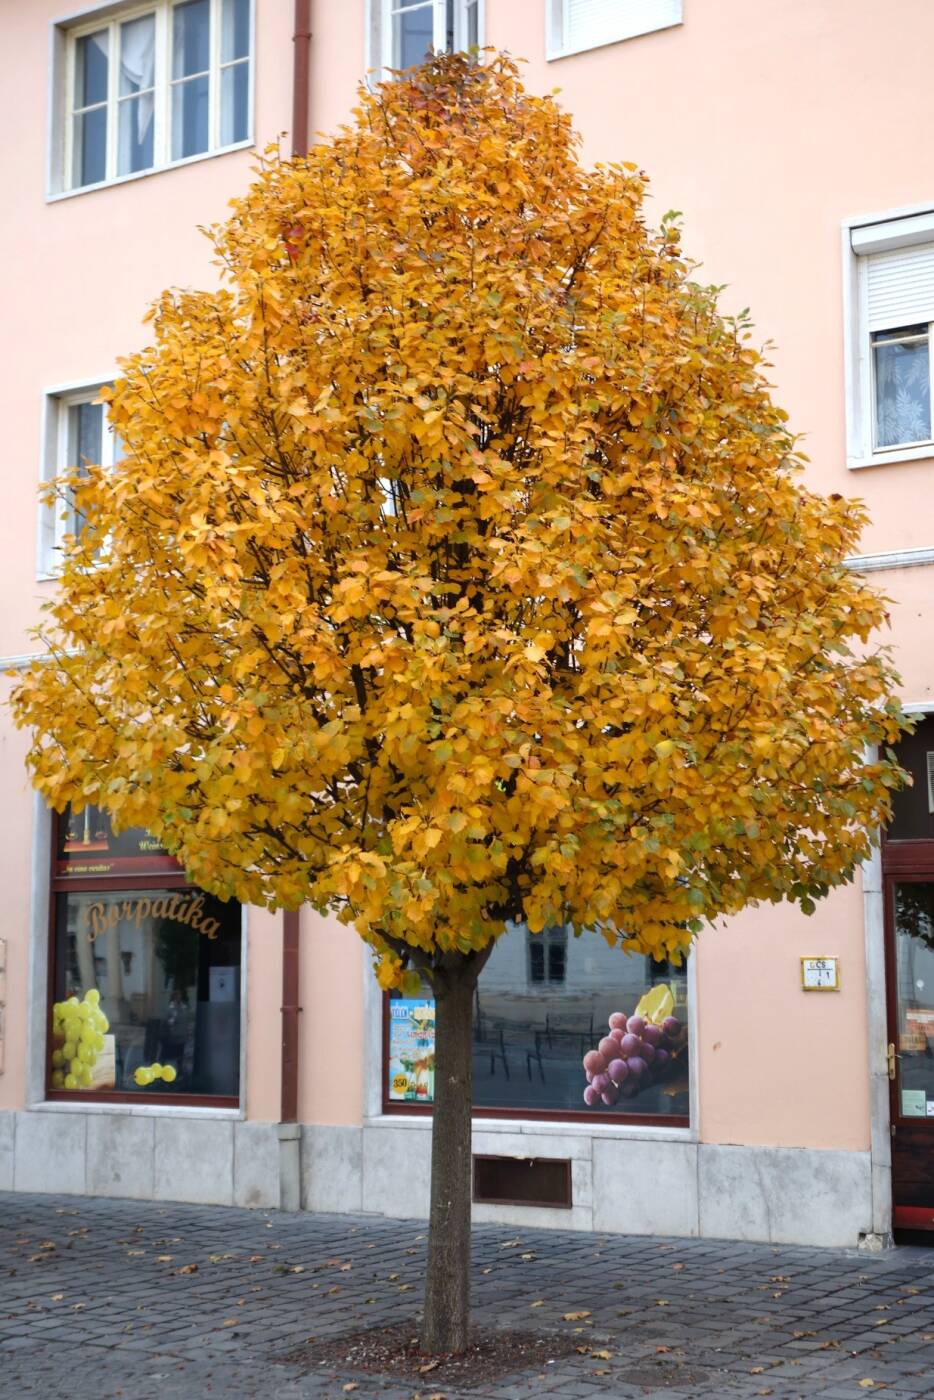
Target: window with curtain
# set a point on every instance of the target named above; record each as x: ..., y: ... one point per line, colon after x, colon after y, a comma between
x: 899, y: 308
x: 153, y: 86
x: 901, y: 375
x: 890, y: 315
x: 78, y: 437
x: 403, y: 33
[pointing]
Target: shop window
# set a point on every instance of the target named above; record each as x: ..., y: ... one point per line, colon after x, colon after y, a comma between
x: 145, y: 86
x: 913, y: 806
x: 575, y: 25
x: 543, y: 1003
x: 144, y: 976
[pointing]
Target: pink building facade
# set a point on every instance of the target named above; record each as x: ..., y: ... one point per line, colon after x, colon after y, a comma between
x: 804, y: 188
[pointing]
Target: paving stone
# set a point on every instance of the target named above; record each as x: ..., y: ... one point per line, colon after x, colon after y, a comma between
x: 94, y: 1305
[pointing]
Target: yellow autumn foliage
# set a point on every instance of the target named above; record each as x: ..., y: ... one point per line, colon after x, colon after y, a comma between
x: 459, y: 568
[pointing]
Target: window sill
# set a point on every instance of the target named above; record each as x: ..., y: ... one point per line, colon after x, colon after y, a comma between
x: 893, y: 458
x: 54, y: 197
x: 555, y: 55
x: 143, y: 1110
x: 892, y: 559
x: 528, y: 1127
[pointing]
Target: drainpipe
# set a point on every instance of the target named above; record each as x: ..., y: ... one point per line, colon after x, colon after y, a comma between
x: 290, y: 1174
x: 290, y: 1167
x: 300, y: 77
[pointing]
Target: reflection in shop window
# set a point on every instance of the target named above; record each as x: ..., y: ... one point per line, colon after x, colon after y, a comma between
x: 914, y: 978
x: 544, y: 1002
x: 548, y: 954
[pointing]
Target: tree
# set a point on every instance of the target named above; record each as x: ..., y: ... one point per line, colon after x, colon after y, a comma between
x: 459, y: 571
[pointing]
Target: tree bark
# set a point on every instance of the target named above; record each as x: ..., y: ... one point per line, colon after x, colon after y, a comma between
x: 446, y: 1322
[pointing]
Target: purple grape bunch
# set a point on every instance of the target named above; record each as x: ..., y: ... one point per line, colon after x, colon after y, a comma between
x: 630, y: 1057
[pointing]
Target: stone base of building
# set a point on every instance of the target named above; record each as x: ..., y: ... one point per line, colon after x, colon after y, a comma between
x: 632, y: 1184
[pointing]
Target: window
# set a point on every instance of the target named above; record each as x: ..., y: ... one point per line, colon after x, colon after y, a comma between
x: 145, y: 973
x: 544, y: 1002
x: 575, y: 25
x: 548, y: 954
x: 889, y: 314
x: 913, y: 807
x: 405, y: 32
x: 77, y: 436
x: 153, y: 85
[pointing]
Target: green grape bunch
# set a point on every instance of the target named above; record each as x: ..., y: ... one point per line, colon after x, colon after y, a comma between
x: 78, y: 1030
x: 149, y: 1074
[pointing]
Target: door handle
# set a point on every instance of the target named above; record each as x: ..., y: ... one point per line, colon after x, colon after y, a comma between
x: 890, y: 1059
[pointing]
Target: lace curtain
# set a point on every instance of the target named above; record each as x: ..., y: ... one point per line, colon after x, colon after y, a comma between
x: 903, y: 388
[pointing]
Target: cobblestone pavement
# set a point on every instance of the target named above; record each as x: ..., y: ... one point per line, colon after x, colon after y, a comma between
x: 103, y: 1299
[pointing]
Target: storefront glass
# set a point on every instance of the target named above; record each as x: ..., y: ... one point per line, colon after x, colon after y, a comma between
x: 145, y: 973
x: 545, y: 1003
x: 914, y: 971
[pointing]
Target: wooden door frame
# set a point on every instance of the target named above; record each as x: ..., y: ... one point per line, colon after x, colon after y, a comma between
x: 903, y: 862
x: 879, y: 1231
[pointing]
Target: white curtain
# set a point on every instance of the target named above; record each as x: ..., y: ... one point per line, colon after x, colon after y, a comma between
x: 137, y: 69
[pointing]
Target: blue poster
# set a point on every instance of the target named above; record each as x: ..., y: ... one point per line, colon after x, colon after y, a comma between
x: 412, y: 1050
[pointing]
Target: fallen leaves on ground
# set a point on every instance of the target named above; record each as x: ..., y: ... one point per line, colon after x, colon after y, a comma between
x: 575, y: 1316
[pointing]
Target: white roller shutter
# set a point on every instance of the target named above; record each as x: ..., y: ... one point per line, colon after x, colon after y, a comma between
x: 900, y: 287
x: 590, y: 23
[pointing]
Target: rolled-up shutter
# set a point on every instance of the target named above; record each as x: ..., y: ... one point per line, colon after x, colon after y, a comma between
x: 589, y: 23
x: 900, y: 287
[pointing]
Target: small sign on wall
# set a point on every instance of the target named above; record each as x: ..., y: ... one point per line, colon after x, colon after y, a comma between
x: 820, y: 974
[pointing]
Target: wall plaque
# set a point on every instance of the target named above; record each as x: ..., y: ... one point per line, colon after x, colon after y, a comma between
x: 820, y: 974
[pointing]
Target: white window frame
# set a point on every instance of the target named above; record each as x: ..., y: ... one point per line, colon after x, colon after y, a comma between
x: 64, y: 36
x: 379, y: 17
x: 57, y: 403
x: 862, y: 236
x: 636, y: 17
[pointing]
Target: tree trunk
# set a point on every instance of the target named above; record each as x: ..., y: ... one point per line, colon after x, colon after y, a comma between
x: 447, y: 1286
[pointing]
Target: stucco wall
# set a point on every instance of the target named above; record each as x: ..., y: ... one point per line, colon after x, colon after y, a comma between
x: 762, y: 124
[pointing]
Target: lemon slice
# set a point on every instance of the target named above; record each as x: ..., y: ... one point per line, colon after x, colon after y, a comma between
x: 656, y: 1005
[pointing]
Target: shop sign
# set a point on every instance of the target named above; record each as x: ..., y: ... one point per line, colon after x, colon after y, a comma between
x: 185, y: 908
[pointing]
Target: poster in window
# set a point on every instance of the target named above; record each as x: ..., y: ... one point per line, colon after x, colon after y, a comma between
x: 88, y: 845
x: 412, y: 1050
